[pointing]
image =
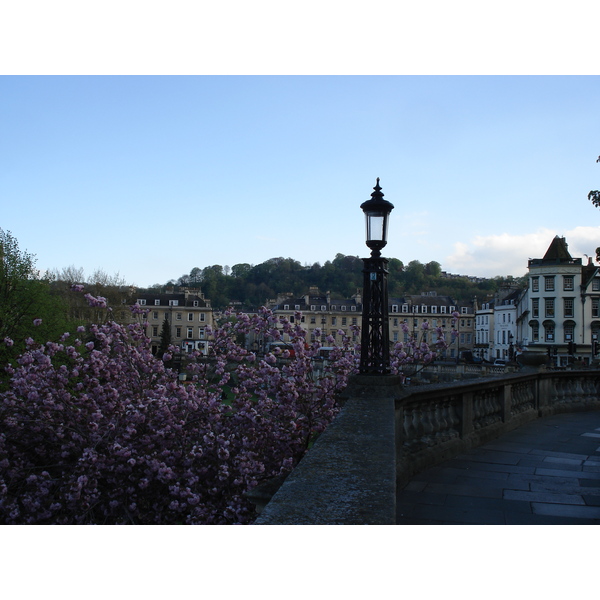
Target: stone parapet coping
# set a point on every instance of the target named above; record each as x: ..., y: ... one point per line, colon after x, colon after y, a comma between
x: 349, y: 475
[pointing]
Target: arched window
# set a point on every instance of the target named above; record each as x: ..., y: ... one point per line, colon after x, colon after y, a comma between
x: 535, y: 330
x: 549, y: 331
x: 569, y: 331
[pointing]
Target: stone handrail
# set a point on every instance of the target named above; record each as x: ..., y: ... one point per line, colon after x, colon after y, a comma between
x: 385, y: 433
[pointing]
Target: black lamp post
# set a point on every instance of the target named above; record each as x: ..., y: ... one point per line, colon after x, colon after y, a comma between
x: 375, y: 344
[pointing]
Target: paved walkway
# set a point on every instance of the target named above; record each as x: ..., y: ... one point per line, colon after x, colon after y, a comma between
x: 544, y: 473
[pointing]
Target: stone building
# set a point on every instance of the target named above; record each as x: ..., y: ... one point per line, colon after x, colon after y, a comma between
x: 559, y: 314
x: 187, y: 312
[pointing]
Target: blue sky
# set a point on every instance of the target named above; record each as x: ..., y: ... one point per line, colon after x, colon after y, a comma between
x: 152, y: 176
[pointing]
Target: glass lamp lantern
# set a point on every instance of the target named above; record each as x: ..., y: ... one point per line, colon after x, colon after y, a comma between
x: 377, y: 212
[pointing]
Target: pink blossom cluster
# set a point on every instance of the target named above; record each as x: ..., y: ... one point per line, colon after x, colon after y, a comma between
x: 416, y: 351
x: 98, y: 430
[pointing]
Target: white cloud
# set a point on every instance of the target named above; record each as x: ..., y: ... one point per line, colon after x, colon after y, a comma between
x: 507, y: 254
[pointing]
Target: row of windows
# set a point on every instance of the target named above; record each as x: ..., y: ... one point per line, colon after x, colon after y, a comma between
x: 179, y: 330
x: 428, y: 309
x: 568, y: 307
x: 179, y: 316
x: 323, y: 307
x: 395, y: 308
x: 550, y: 330
x: 143, y: 302
x: 568, y: 283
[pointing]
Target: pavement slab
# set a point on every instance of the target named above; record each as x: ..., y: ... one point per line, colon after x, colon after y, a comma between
x: 546, y: 472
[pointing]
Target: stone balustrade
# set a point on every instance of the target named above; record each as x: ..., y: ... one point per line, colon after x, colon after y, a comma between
x: 385, y: 433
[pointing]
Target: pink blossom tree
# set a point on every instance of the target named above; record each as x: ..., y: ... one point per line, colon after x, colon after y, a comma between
x: 98, y: 430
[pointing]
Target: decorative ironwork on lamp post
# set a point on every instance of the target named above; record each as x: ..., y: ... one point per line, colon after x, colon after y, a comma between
x: 375, y: 336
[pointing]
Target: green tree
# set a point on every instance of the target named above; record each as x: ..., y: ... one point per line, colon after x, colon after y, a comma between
x: 165, y: 338
x: 594, y: 195
x: 28, y: 308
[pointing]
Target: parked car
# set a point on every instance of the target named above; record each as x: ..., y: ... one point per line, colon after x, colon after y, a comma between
x: 499, y: 363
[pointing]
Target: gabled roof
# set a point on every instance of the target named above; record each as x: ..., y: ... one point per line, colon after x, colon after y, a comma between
x: 558, y: 250
x: 557, y: 254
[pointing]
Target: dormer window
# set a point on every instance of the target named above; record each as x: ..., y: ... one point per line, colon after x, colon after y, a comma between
x: 141, y: 302
x: 156, y: 302
x: 173, y: 302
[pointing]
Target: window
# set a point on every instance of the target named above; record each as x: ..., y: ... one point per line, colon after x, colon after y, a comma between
x: 535, y: 332
x: 568, y: 283
x: 423, y: 308
x: 323, y: 307
x: 344, y: 308
x: 344, y: 319
x: 190, y: 316
x: 201, y: 332
x: 190, y: 333
x: 569, y: 329
x: 549, y: 332
x: 595, y: 311
x: 173, y: 302
x: 296, y: 307
x: 155, y: 314
x: 353, y: 308
x: 549, y: 304
x: 141, y: 302
x: 464, y: 310
x: 535, y: 284
x: 157, y: 303
x: 286, y: 307
x: 535, y: 308
x: 313, y: 307
x: 178, y: 316
x: 596, y: 285
x: 202, y: 317
x: 178, y: 332
x: 394, y: 308
x: 549, y: 283
x: 313, y: 320
x: 434, y: 309
x: 154, y: 331
x: 443, y: 309
x: 196, y: 303
x: 334, y: 320
x: 405, y: 308
x: 568, y: 308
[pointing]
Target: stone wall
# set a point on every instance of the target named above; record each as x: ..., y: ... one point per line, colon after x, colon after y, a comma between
x: 385, y: 433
